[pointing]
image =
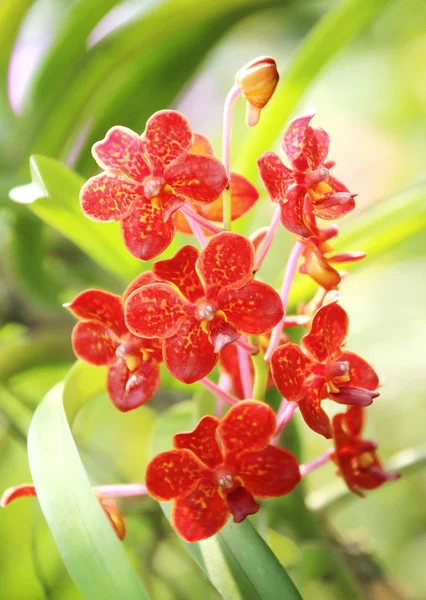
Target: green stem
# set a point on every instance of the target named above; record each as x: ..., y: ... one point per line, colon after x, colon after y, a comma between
x: 261, y: 371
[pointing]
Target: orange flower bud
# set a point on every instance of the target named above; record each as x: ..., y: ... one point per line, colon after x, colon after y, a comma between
x: 257, y: 81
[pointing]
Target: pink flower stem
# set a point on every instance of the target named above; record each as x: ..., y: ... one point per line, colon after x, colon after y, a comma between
x: 290, y: 272
x: 197, y: 231
x: 268, y: 239
x: 218, y: 392
x: 321, y: 460
x: 245, y: 372
x: 243, y: 343
x: 225, y: 385
x: 189, y: 212
x: 228, y: 110
x: 284, y: 416
x: 121, y: 489
x: 77, y: 147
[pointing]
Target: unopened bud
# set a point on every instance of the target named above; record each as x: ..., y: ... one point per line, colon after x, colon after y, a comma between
x: 257, y: 81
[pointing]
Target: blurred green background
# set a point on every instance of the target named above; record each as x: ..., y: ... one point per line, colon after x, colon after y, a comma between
x: 69, y: 71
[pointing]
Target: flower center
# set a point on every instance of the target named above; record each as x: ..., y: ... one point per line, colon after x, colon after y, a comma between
x: 226, y: 481
x: 152, y: 187
x: 206, y: 312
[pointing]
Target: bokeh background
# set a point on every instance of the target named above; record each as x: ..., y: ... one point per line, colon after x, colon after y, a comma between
x: 71, y: 69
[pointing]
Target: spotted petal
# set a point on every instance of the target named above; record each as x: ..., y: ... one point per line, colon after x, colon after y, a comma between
x: 108, y: 197
x: 275, y: 175
x: 200, y: 514
x: 145, y: 232
x: 329, y: 330
x: 97, y: 305
x: 173, y: 474
x: 155, y: 310
x: 121, y: 150
x: 293, y: 211
x: 289, y: 369
x: 361, y: 374
x: 202, y: 442
x: 268, y: 473
x: 300, y: 142
x: 201, y: 145
x: 168, y: 138
x: 130, y: 389
x: 226, y: 263
x: 180, y: 270
x: 249, y: 425
x: 253, y: 309
x: 141, y: 280
x: 310, y: 407
x: 198, y: 178
x: 93, y: 343
x: 189, y: 354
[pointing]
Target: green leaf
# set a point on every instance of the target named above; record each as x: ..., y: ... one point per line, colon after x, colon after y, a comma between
x: 237, y: 560
x: 53, y: 196
x: 121, y: 79
x: 89, y: 548
x: 332, y: 34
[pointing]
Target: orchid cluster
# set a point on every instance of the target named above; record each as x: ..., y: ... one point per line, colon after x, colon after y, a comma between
x: 206, y: 306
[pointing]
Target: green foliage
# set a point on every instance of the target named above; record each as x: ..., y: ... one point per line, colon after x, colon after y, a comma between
x: 89, y: 548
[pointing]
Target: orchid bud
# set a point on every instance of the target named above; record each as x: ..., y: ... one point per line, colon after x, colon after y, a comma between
x: 257, y: 81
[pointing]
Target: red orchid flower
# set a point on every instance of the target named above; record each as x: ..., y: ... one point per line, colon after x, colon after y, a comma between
x: 243, y: 193
x: 219, y: 468
x: 207, y: 299
x: 318, y: 254
x: 356, y: 458
x: 147, y: 178
x: 102, y: 338
x: 306, y: 190
x: 109, y: 505
x: 324, y: 370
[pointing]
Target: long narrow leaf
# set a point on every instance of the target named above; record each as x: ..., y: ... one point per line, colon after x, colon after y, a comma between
x: 89, y: 548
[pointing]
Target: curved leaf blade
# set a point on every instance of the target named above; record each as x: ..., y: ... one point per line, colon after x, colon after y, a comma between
x: 54, y: 197
x: 89, y: 548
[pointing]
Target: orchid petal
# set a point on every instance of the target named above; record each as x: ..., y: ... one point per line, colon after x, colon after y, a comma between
x: 202, y: 442
x: 121, y: 150
x: 145, y: 232
x: 226, y: 263
x: 108, y: 197
x: 180, y: 270
x: 249, y: 425
x: 189, y: 354
x: 253, y: 309
x: 173, y: 474
x: 200, y: 514
x: 268, y: 473
x: 168, y: 138
x: 155, y: 310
